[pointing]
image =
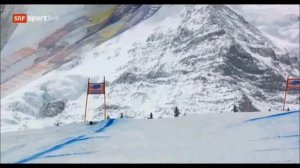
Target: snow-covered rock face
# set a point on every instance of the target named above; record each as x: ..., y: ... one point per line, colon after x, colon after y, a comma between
x: 279, y: 22
x: 205, y: 59
x: 49, y: 99
x: 211, y: 59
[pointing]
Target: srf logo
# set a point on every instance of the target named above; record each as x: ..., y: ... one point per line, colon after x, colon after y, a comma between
x: 19, y: 18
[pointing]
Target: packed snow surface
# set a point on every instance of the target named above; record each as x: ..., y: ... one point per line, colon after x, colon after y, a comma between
x: 260, y: 137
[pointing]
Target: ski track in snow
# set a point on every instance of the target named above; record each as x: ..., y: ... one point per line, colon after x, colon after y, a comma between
x: 68, y: 154
x: 62, y: 145
x: 276, y: 137
x: 275, y: 149
x: 272, y: 116
x: 281, y: 143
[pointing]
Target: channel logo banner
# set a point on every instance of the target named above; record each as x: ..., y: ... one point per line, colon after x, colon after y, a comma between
x: 19, y: 18
x: 24, y: 18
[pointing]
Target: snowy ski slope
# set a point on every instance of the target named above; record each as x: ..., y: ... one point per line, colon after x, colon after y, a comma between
x: 265, y: 137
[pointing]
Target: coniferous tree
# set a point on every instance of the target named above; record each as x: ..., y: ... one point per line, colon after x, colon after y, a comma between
x: 151, y: 116
x: 176, y: 112
x: 234, y: 108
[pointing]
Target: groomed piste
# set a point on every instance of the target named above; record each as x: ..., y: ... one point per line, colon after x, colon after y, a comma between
x: 248, y: 137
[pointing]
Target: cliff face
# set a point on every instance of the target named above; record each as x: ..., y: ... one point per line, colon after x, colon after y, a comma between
x: 211, y: 59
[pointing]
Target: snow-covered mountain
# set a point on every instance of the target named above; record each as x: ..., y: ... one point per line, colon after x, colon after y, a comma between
x: 202, y: 58
x: 279, y: 22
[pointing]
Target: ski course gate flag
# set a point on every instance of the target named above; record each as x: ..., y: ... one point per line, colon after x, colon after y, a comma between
x: 293, y: 84
x: 96, y: 88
